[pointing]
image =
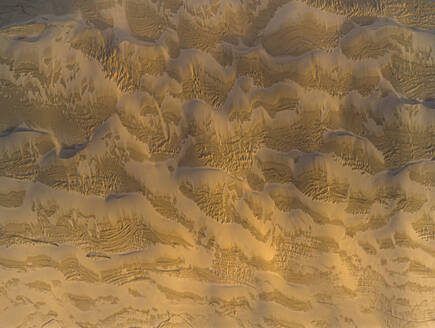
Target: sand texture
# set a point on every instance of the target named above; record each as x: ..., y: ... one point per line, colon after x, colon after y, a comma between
x: 217, y: 163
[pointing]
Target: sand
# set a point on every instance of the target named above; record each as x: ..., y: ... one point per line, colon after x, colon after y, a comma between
x: 217, y: 163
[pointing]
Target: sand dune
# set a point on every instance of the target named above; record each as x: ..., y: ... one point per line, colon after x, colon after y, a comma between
x: 219, y: 163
